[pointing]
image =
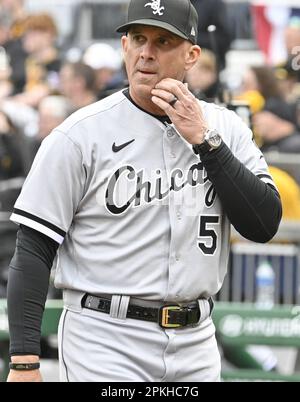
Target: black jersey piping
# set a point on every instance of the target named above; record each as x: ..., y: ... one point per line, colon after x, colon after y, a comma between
x: 163, y: 119
x: 265, y: 176
x: 62, y: 346
x: 40, y: 221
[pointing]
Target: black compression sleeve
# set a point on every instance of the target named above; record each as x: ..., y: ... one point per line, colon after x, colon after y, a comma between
x: 253, y: 207
x: 28, y: 281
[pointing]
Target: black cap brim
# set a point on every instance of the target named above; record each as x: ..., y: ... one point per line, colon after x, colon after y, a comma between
x: 154, y: 23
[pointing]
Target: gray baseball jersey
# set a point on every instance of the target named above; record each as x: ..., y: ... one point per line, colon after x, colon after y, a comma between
x: 131, y: 204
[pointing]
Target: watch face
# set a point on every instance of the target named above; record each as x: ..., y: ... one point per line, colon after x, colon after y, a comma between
x: 215, y: 141
x: 213, y: 138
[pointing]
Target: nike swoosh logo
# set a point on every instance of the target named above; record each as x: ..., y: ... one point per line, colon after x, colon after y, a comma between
x: 118, y: 148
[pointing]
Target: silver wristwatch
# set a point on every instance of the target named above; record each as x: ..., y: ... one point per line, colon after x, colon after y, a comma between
x: 212, y: 140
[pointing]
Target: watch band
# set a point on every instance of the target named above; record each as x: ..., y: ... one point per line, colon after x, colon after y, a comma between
x: 201, y: 149
x: 24, y: 366
x: 212, y: 140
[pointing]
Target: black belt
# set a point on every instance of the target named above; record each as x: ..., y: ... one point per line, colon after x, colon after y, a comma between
x: 167, y: 316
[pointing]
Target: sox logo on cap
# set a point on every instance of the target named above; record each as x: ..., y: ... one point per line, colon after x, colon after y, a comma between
x: 155, y: 5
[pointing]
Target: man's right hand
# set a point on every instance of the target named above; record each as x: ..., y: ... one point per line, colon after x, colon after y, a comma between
x: 24, y: 376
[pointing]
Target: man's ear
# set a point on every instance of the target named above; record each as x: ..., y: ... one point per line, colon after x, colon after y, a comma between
x: 192, y: 56
x: 124, y: 42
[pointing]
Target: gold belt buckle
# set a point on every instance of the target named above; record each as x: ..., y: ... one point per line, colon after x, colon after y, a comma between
x: 164, y: 316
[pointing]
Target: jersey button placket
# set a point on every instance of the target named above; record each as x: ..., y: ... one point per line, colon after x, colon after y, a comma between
x: 171, y: 135
x: 170, y: 132
x: 170, y: 149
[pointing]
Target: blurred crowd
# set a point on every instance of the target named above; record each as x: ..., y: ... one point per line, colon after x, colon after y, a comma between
x: 41, y: 84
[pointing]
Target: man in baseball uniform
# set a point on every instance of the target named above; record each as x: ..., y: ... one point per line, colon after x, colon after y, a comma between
x: 135, y: 195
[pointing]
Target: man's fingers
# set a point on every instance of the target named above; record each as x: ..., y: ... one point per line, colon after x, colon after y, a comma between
x: 165, y: 95
x: 165, y: 106
x: 175, y: 87
x: 188, y: 102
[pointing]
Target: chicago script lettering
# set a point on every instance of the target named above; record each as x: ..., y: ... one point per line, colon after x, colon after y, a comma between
x: 146, y: 192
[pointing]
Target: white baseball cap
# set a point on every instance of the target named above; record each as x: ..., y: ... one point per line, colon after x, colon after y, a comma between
x: 102, y: 55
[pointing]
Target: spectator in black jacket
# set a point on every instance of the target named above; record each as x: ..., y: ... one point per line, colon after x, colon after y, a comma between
x: 213, y: 12
x: 11, y: 172
x: 10, y: 150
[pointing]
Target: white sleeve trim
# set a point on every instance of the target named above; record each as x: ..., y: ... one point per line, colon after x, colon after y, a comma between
x: 36, y: 226
x: 268, y: 181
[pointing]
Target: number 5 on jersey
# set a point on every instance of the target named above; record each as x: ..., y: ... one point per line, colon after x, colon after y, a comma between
x: 209, y: 235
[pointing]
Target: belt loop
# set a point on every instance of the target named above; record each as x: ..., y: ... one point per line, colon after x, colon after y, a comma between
x: 123, y: 307
x: 204, y: 309
x: 114, y: 307
x: 72, y: 300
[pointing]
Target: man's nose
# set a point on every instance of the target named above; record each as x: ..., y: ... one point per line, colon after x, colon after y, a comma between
x: 147, y: 51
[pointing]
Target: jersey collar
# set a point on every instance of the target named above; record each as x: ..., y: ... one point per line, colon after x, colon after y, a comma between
x: 163, y: 119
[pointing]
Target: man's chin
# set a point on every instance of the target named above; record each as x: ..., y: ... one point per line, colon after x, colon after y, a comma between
x: 144, y: 89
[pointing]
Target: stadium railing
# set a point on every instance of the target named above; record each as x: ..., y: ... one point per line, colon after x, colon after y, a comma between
x: 238, y: 322
x: 238, y: 325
